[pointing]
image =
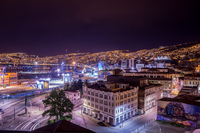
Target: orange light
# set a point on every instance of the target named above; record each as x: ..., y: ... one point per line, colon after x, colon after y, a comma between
x: 73, y: 62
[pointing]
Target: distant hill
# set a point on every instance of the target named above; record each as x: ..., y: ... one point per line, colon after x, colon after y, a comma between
x: 180, y: 51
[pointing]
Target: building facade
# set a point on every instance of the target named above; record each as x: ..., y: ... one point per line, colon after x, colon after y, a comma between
x: 73, y: 95
x: 112, y: 103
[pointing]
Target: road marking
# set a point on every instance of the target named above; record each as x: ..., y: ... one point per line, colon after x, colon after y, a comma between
x: 21, y: 124
x: 27, y: 124
x: 36, y: 124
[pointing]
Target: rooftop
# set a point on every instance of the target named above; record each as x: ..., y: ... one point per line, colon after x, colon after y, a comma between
x: 103, y: 88
x: 188, y: 99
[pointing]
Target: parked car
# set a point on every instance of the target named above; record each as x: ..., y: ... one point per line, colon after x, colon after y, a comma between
x: 0, y: 109
x: 101, y: 124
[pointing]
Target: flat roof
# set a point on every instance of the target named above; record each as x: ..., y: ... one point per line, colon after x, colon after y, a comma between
x: 188, y: 99
x: 103, y: 88
x: 160, y: 79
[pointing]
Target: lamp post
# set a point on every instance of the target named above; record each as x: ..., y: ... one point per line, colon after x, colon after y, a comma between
x: 7, y: 96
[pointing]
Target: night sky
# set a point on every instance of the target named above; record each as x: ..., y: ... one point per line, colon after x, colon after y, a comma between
x: 48, y: 27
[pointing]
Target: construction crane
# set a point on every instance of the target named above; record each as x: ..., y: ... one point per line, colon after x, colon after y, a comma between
x: 76, y: 60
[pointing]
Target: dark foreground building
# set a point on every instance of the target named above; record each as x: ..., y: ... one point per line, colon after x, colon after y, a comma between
x: 62, y: 126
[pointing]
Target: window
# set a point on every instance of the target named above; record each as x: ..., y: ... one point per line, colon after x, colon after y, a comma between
x: 121, y: 97
x: 129, y: 100
x: 121, y: 103
x: 74, y: 94
x: 88, y: 92
x: 100, y: 107
x: 125, y: 101
x: 112, y: 104
x: 96, y: 100
x: 121, y: 109
x: 88, y: 98
x: 125, y: 96
x: 92, y: 105
x: 101, y: 95
x: 105, y: 103
x: 92, y: 99
x: 96, y: 106
x: 101, y: 101
x: 92, y: 93
x: 96, y: 94
x: 105, y: 97
x: 129, y: 94
x: 88, y: 103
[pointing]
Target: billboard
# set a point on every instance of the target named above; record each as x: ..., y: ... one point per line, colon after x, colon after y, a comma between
x: 178, y: 112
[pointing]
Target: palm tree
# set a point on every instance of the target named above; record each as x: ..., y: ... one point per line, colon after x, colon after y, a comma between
x: 59, y: 105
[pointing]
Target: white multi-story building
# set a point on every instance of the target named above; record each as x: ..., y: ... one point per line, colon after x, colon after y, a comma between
x: 73, y: 95
x: 112, y: 103
x: 127, y: 63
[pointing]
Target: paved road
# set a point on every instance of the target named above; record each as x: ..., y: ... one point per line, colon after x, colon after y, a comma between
x: 36, y: 120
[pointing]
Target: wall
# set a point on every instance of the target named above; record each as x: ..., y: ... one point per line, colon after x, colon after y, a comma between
x: 178, y: 112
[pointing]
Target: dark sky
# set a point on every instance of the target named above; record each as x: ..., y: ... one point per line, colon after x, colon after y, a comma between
x: 48, y: 27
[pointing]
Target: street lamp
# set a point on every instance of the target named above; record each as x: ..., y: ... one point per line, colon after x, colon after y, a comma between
x: 7, y: 96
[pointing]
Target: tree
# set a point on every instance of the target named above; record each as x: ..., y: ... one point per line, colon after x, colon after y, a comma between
x: 67, y: 86
x: 59, y: 105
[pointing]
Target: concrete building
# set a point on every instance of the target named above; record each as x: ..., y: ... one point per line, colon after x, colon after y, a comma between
x: 188, y: 90
x: 148, y: 94
x: 155, y: 73
x: 191, y: 80
x: 127, y: 63
x: 112, y: 102
x: 166, y: 85
x: 73, y: 95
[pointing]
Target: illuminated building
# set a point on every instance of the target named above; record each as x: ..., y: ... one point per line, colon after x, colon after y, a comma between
x: 111, y: 102
x: 155, y: 73
x: 147, y: 94
x: 10, y: 79
x: 166, y: 85
x: 72, y: 95
x: 42, y: 84
x: 127, y: 63
x: 191, y: 80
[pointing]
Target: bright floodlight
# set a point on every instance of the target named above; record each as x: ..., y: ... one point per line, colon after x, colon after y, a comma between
x: 58, y: 70
x: 73, y: 62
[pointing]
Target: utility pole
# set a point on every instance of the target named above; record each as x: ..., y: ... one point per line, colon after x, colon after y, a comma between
x: 14, y: 114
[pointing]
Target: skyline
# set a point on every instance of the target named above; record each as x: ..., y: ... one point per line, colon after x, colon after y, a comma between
x: 48, y: 28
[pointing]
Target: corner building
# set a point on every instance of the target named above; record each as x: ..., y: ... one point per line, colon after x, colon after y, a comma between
x: 111, y: 102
